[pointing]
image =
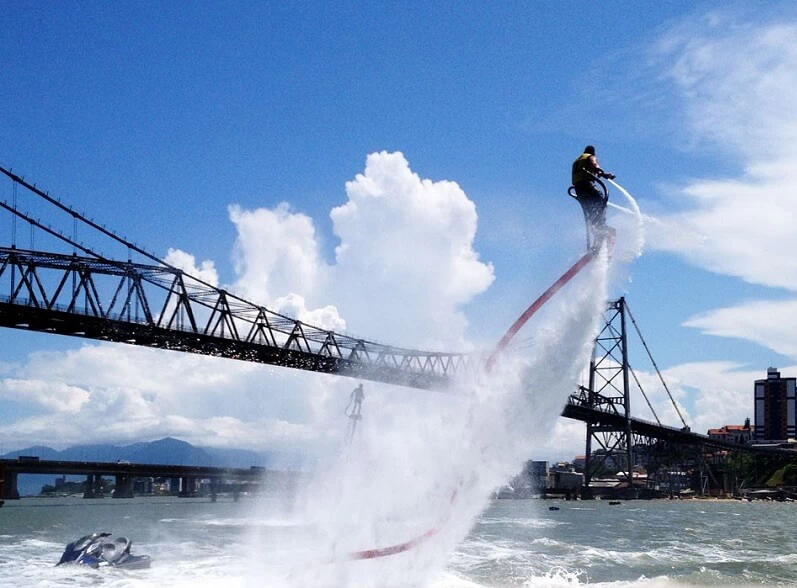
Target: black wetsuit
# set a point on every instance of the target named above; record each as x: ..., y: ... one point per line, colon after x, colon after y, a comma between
x: 592, y: 200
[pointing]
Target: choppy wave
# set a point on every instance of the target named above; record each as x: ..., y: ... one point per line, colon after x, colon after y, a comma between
x: 531, y: 549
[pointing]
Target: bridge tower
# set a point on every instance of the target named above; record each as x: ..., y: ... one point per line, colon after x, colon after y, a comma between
x: 608, y: 391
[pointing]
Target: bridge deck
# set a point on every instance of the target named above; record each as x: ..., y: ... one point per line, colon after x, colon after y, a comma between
x: 650, y: 429
x: 125, y: 472
x: 59, y: 467
x: 160, y: 306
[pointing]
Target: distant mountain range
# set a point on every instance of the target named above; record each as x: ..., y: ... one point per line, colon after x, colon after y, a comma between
x: 163, y: 451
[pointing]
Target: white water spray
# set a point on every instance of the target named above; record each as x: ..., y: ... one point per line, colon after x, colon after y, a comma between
x: 646, y: 218
x: 670, y: 233
x: 432, y: 460
x: 640, y: 229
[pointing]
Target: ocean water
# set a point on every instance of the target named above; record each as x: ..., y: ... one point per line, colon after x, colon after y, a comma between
x: 513, y: 543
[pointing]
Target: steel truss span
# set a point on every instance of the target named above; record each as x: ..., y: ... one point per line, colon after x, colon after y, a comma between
x: 620, y: 440
x: 608, y: 418
x: 160, y: 306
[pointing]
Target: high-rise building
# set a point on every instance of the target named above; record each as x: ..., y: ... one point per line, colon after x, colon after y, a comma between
x: 775, y: 408
x: 537, y: 473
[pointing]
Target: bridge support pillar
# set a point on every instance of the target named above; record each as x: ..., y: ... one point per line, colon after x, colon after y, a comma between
x: 187, y: 487
x: 8, y: 484
x: 89, y: 491
x: 124, y: 486
x: 609, y: 391
x: 214, y: 489
x: 93, y: 486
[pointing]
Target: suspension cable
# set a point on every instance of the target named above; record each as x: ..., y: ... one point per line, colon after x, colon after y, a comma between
x: 14, y: 217
x: 82, y: 218
x: 650, y: 355
x: 645, y: 396
x: 54, y: 232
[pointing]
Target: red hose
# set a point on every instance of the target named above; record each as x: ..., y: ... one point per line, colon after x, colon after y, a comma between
x: 393, y: 549
x: 536, y: 305
x: 516, y: 326
x: 402, y: 547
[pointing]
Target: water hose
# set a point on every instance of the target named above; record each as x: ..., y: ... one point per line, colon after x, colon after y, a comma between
x: 499, y: 348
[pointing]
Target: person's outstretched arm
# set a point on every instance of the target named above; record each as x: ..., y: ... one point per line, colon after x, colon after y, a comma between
x: 599, y: 170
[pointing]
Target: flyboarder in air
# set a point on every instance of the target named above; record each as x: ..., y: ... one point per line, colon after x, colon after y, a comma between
x: 353, y: 411
x: 356, y: 400
x: 586, y: 178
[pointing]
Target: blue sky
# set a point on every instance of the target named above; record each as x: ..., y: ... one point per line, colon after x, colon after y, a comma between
x: 156, y: 118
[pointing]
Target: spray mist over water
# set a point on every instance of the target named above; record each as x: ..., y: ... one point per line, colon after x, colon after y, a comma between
x: 432, y: 460
x: 661, y: 234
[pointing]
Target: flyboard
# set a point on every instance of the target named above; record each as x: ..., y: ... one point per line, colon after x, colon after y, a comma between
x: 535, y: 306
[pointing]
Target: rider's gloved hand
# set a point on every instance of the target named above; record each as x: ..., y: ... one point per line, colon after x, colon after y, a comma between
x: 609, y: 176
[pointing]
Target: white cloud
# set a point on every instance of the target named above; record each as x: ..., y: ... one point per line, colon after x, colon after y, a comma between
x: 405, y: 265
x: 278, y: 264
x: 566, y: 440
x: 276, y: 253
x: 206, y: 271
x: 115, y: 392
x: 724, y: 392
x: 53, y: 395
x: 740, y: 101
x: 294, y: 305
x: 737, y: 78
x: 744, y: 105
x: 404, y: 268
x: 747, y: 226
x: 254, y: 434
x: 707, y: 394
x: 766, y: 322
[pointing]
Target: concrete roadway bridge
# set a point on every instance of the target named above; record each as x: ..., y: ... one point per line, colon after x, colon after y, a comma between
x: 125, y: 473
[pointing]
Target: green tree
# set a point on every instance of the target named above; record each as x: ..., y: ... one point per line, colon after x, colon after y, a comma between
x: 790, y: 475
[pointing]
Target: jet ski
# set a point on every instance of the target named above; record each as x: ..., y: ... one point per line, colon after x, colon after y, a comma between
x: 98, y: 550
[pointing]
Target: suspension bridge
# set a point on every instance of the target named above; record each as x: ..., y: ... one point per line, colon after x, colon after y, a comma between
x: 148, y: 302
x: 75, y: 288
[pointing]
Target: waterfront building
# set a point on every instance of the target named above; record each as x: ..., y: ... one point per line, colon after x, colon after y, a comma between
x: 775, y: 408
x: 537, y: 473
x: 532, y: 481
x: 143, y: 485
x: 564, y: 476
x: 612, y: 461
x: 740, y: 434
